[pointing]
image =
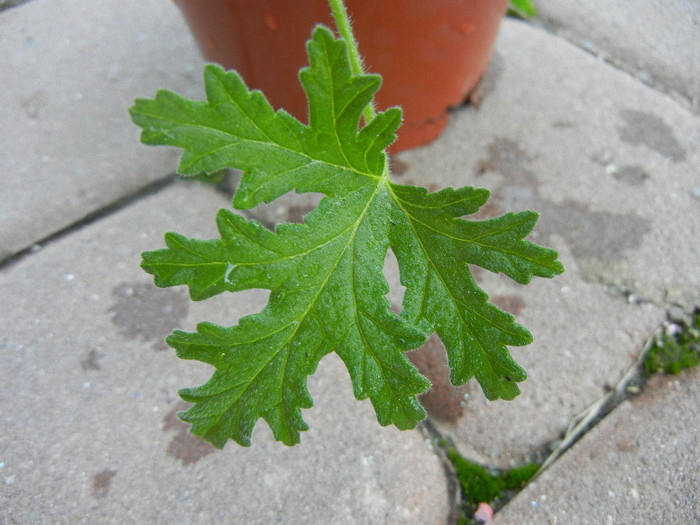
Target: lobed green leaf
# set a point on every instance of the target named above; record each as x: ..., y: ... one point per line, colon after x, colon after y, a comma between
x: 327, y: 290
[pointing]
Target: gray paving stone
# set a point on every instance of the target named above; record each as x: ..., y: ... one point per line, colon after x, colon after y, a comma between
x: 612, y: 167
x: 639, y: 465
x: 88, y: 401
x: 70, y: 70
x: 657, y: 42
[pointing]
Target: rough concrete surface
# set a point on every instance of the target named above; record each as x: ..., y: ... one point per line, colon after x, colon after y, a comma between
x: 655, y: 41
x: 70, y: 70
x: 639, y: 465
x: 607, y: 153
x: 88, y: 402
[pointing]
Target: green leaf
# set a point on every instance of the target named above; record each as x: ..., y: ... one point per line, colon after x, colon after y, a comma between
x: 433, y: 247
x: 522, y: 8
x: 327, y: 290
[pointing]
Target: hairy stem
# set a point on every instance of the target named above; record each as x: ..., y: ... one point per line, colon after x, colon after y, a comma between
x: 342, y: 22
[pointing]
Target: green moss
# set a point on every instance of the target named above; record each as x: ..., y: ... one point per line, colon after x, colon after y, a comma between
x: 490, y: 486
x: 518, y: 477
x: 675, y: 350
x: 477, y: 483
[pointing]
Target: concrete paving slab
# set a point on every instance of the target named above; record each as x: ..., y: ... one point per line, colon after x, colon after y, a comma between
x: 639, y: 465
x: 657, y: 42
x: 70, y: 70
x: 88, y: 401
x: 612, y: 166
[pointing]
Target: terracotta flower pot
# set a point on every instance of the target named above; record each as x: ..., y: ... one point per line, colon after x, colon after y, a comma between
x: 431, y: 53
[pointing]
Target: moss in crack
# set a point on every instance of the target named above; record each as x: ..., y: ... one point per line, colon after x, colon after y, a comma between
x: 676, y: 348
x: 486, y: 485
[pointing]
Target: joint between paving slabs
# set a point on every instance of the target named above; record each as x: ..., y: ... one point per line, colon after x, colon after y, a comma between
x: 558, y: 30
x: 7, y: 4
x: 630, y: 385
x: 454, y: 490
x: 92, y: 217
x: 631, y: 295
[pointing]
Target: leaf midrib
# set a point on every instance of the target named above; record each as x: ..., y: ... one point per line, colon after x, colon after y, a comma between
x: 303, y: 316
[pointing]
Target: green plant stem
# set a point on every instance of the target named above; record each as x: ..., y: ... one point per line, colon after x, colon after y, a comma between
x: 342, y: 22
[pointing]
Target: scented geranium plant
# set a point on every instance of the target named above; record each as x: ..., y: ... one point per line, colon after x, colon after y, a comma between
x: 327, y: 289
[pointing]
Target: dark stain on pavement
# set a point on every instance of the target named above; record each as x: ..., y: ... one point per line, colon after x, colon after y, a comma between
x: 101, y: 482
x: 297, y: 213
x: 627, y: 445
x: 598, y: 234
x: 512, y: 304
x: 506, y: 158
x: 563, y: 124
x: 184, y: 446
x: 444, y: 401
x: 91, y: 361
x: 397, y: 167
x: 589, y: 234
x: 632, y: 175
x: 143, y: 312
x: 488, y: 211
x: 646, y: 129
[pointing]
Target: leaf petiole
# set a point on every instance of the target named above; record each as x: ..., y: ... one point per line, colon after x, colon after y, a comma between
x: 342, y: 22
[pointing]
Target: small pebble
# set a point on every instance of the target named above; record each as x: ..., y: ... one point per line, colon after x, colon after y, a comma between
x: 672, y: 329
x: 484, y: 513
x: 633, y: 389
x: 676, y: 314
